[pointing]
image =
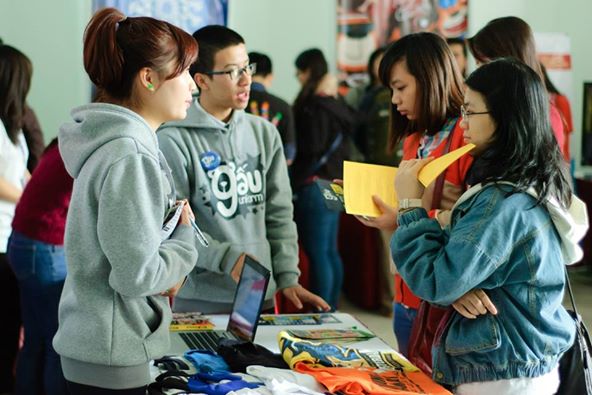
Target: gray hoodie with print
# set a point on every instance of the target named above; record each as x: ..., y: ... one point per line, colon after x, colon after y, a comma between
x: 112, y: 320
x: 236, y: 179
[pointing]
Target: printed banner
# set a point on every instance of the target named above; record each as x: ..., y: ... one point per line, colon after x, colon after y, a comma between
x: 554, y: 52
x: 189, y: 15
x: 364, y: 25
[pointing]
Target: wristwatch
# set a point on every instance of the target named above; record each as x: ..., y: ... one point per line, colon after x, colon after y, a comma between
x: 409, y: 203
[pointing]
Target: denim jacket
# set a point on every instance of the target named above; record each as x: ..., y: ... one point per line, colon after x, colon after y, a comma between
x: 508, y: 246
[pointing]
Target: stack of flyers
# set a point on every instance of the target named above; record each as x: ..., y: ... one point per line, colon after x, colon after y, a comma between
x: 183, y: 322
x: 332, y: 335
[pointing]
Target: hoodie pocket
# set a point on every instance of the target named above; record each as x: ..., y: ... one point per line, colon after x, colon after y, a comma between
x: 140, y: 329
x: 157, y: 343
x: 468, y: 336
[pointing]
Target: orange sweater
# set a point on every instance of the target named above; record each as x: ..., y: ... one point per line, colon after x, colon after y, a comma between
x: 564, y: 109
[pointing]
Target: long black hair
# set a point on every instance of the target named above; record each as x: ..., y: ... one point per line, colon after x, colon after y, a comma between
x: 313, y: 61
x: 439, y: 83
x: 523, y: 149
x: 551, y: 88
x: 15, y: 80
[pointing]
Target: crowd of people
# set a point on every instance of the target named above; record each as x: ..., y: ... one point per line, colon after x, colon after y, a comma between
x: 187, y: 121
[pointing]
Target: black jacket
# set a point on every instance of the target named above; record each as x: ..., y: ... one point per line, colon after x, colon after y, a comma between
x: 318, y: 123
x: 286, y: 123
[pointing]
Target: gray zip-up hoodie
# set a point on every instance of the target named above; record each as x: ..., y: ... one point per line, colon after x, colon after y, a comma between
x: 112, y: 320
x: 236, y: 178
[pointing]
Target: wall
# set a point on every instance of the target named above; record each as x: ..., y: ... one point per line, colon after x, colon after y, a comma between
x: 50, y: 34
x: 282, y: 29
x: 570, y: 17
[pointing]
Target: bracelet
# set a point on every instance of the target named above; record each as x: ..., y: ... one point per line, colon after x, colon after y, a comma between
x: 405, y: 210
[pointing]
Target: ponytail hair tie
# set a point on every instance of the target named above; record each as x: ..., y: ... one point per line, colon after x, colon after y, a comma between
x: 120, y: 22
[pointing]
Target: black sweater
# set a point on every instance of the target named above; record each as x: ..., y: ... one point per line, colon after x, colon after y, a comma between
x: 318, y: 123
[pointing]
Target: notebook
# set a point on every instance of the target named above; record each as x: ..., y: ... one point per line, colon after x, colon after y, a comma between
x: 244, y: 317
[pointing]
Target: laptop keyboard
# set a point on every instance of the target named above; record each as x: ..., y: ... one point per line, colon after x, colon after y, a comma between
x: 206, y: 340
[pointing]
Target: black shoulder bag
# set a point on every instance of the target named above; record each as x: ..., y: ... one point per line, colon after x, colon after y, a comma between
x: 575, y: 366
x: 325, y: 158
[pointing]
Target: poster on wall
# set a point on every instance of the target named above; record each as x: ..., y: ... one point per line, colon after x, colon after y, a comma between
x: 554, y: 53
x: 364, y: 25
x: 189, y: 15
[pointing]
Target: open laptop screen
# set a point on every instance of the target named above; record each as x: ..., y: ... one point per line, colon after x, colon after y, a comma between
x: 248, y: 300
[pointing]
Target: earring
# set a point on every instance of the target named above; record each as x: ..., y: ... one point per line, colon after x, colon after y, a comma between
x: 150, y: 86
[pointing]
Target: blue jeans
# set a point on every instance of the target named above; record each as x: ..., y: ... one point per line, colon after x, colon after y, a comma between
x: 403, y: 318
x: 11, y: 324
x: 40, y: 269
x: 317, y: 230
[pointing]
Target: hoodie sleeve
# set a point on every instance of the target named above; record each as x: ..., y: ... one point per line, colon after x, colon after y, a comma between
x: 219, y: 256
x: 281, y: 229
x: 131, y: 207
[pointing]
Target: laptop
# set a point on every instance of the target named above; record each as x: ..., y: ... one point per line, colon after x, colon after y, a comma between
x: 246, y: 310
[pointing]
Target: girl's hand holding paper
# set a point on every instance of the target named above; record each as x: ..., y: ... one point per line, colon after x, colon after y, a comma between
x: 407, y: 185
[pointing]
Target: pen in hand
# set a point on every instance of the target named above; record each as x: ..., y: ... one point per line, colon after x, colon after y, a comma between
x: 188, y: 216
x: 200, y: 236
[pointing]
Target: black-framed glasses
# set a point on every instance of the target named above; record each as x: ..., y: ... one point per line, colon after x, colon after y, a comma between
x: 237, y: 72
x: 466, y: 114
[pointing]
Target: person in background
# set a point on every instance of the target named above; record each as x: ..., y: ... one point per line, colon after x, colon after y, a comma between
x: 511, y: 235
x: 269, y: 106
x: 512, y: 37
x: 426, y: 88
x: 36, y: 255
x: 114, y: 312
x: 324, y: 126
x: 33, y: 135
x: 15, y: 80
x: 372, y: 139
x: 231, y: 167
x: 372, y: 131
x: 458, y: 46
x: 34, y: 138
x: 561, y: 102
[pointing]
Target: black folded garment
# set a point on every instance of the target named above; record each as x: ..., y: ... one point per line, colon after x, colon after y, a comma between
x: 170, y: 362
x: 239, y: 354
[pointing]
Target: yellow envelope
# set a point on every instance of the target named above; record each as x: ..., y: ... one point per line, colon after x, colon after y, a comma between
x: 433, y: 169
x: 361, y: 181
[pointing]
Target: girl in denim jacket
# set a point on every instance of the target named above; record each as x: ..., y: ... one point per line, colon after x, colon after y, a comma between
x: 510, y: 235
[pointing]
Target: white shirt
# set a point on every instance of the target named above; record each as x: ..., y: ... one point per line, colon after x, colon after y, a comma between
x: 13, y: 165
x: 547, y: 384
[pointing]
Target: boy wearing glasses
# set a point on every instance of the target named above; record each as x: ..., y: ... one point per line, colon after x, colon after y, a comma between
x: 231, y: 167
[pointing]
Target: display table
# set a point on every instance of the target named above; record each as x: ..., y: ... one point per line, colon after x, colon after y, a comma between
x: 266, y: 335
x: 382, y: 369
